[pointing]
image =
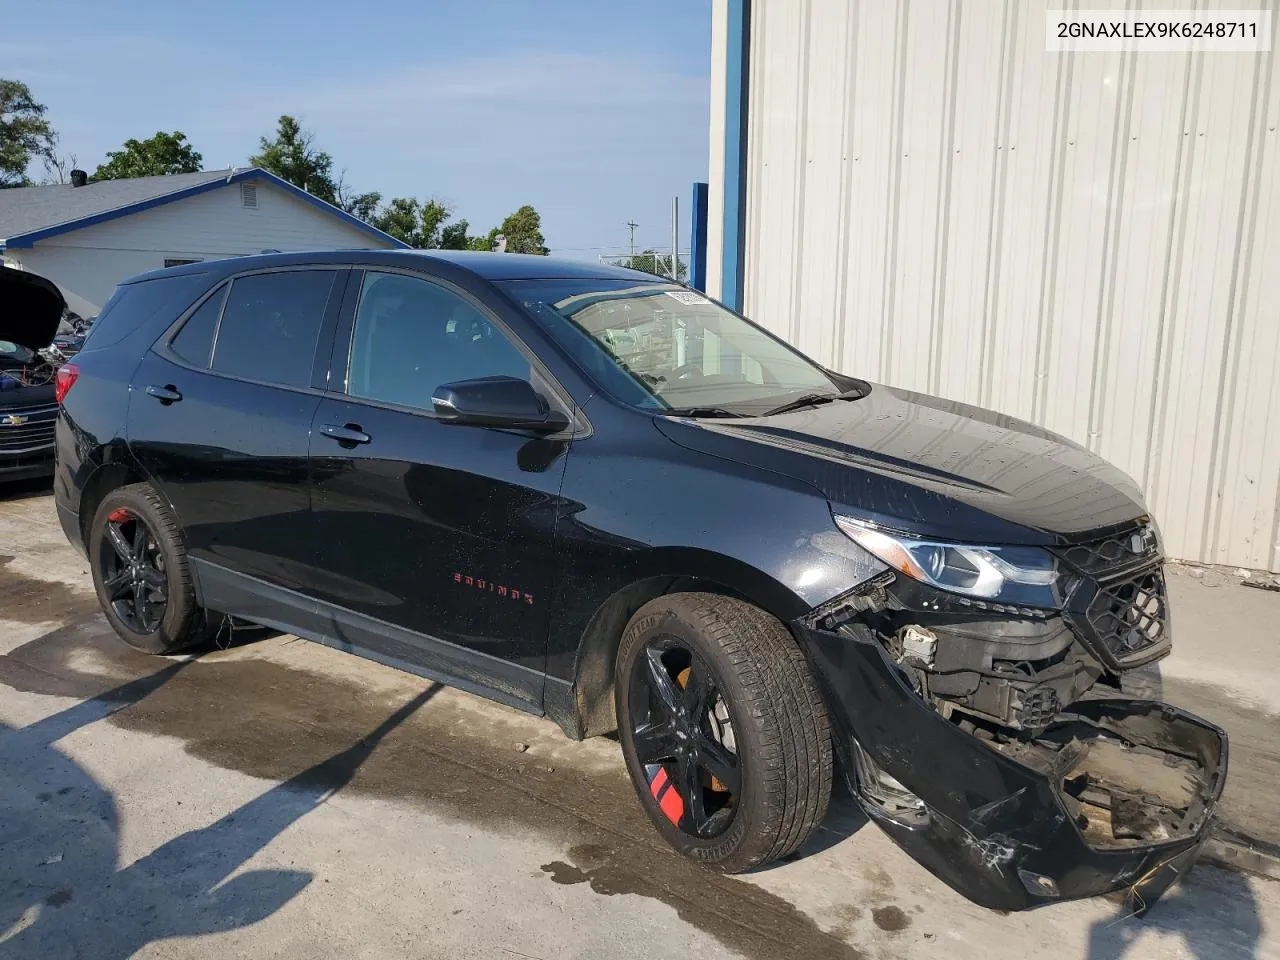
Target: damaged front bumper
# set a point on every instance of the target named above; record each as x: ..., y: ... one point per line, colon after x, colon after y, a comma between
x: 1109, y: 794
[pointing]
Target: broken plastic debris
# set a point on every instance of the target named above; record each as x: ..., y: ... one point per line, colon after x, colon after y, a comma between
x: 1261, y: 583
x: 56, y: 858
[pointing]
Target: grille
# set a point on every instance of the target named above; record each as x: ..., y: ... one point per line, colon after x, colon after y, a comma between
x: 1129, y: 615
x: 36, y: 431
x: 1099, y: 557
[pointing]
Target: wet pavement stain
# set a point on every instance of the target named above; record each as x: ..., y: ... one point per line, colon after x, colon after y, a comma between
x: 58, y: 898
x: 25, y: 599
x: 890, y: 918
x: 284, y: 723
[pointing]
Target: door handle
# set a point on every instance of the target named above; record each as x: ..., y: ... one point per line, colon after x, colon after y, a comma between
x: 348, y: 434
x: 167, y: 394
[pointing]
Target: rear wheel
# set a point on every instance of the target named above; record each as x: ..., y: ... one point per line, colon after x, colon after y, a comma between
x: 723, y: 729
x: 141, y: 574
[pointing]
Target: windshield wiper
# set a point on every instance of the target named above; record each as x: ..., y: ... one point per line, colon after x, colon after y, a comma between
x: 699, y: 412
x: 813, y: 400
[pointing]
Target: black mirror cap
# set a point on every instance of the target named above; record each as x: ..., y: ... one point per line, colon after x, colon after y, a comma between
x: 497, y: 402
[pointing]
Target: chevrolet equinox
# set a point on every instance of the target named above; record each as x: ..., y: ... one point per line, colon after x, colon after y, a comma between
x: 602, y: 497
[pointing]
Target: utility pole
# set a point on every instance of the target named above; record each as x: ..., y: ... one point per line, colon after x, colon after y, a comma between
x: 631, y: 225
x: 675, y: 238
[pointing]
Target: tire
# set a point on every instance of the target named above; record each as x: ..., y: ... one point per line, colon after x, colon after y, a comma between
x: 779, y: 737
x: 179, y: 623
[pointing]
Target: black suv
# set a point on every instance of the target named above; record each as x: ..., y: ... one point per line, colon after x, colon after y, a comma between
x: 592, y: 494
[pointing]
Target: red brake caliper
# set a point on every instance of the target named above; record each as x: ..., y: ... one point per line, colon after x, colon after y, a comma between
x: 669, y: 799
x: 120, y: 515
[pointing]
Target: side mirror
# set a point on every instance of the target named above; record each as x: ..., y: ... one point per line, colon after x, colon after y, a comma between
x: 496, y: 402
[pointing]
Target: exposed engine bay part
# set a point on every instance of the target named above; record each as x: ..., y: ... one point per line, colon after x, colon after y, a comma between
x: 30, y: 308
x: 1015, y: 672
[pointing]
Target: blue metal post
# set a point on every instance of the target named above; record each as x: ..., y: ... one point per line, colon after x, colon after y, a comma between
x: 698, y: 239
x: 735, y: 152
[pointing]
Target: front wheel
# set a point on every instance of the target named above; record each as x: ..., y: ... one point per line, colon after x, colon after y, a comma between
x: 724, y: 731
x: 141, y: 574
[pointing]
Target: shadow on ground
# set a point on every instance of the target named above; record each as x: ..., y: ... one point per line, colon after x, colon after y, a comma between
x: 62, y: 890
x: 1212, y: 914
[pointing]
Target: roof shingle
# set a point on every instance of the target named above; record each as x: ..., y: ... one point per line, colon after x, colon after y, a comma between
x: 26, y: 209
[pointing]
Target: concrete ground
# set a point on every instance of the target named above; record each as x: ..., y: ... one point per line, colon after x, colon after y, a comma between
x: 282, y: 799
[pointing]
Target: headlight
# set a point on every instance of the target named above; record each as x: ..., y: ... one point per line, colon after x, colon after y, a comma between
x: 1025, y: 575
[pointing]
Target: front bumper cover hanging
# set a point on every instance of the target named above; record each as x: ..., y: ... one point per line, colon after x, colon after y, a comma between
x: 1114, y: 794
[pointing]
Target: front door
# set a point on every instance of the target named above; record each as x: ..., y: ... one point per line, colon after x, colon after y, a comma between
x: 434, y: 540
x: 219, y: 415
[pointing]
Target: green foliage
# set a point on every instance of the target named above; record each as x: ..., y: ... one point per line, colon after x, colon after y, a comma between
x: 24, y: 133
x: 650, y: 261
x: 422, y: 224
x: 454, y: 236
x: 523, y: 230
x: 291, y: 156
x: 362, y: 205
x: 484, y: 244
x: 156, y: 156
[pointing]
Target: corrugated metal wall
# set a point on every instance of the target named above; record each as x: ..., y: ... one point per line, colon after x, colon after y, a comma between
x: 1090, y: 241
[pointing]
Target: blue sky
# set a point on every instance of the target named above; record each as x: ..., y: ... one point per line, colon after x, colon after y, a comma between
x: 595, y: 111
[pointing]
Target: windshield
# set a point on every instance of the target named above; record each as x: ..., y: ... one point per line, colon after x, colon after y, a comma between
x: 664, y: 347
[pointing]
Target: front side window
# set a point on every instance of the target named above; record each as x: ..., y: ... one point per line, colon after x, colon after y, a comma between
x: 270, y: 326
x: 412, y: 336
x: 664, y: 347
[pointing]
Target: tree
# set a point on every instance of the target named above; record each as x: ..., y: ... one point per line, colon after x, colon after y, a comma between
x: 484, y: 243
x: 454, y: 236
x: 650, y: 261
x: 154, y: 157
x: 362, y: 205
x: 24, y: 133
x: 523, y: 230
x: 292, y: 156
x: 57, y: 168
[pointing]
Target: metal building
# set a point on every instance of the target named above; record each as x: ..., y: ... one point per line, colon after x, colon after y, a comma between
x: 917, y: 192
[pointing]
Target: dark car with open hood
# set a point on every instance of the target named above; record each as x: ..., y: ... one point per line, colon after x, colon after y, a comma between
x: 602, y: 497
x: 31, y: 309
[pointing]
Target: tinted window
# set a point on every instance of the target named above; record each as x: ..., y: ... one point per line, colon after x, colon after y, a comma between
x: 194, y: 341
x: 271, y: 325
x: 412, y: 335
x: 133, y: 305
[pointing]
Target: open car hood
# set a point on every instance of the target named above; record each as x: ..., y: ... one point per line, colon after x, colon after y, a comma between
x: 30, y: 308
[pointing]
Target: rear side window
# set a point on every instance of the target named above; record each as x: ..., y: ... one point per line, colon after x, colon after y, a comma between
x: 194, y: 342
x: 271, y: 326
x: 133, y: 305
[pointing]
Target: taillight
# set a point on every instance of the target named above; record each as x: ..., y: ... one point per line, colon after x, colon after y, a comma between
x: 68, y: 373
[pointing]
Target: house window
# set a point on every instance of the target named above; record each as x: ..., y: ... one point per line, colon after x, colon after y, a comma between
x: 249, y: 195
x: 179, y: 262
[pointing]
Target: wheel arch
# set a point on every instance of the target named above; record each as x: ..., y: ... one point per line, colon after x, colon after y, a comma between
x: 590, y: 709
x: 114, y: 469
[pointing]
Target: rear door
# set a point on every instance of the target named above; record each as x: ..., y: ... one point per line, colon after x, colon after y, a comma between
x: 219, y: 416
x: 437, y: 538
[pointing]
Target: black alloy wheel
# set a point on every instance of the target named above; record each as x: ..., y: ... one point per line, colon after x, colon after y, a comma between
x: 133, y: 571
x: 723, y: 729
x: 683, y: 737
x: 142, y: 575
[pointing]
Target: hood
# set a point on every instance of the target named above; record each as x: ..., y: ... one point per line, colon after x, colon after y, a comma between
x: 930, y: 466
x: 30, y: 308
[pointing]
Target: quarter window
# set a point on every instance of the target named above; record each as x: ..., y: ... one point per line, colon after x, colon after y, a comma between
x: 411, y: 336
x: 271, y: 326
x: 194, y: 342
